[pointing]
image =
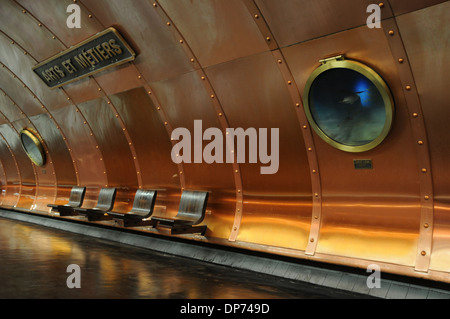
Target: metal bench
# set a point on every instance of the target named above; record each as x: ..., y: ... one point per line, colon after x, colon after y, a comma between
x: 105, y: 204
x: 75, y: 200
x: 191, y: 213
x: 143, y: 204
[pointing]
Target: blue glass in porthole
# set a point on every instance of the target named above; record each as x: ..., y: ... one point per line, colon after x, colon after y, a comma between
x: 347, y: 107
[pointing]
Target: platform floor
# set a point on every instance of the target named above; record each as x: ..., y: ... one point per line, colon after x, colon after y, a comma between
x: 34, y: 261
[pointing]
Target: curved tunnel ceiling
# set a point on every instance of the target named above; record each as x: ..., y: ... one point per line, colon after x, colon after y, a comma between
x: 238, y: 64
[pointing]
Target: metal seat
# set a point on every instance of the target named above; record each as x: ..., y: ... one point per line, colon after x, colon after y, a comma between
x: 75, y: 200
x: 191, y: 213
x: 143, y: 204
x: 105, y: 204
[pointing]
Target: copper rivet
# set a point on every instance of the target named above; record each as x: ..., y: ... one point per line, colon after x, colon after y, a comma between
x: 53, y: 37
x: 316, y: 195
x: 289, y: 82
x: 408, y: 87
x: 192, y: 60
x: 212, y: 96
x: 391, y: 32
x: 236, y: 171
x: 165, y: 123
x: 426, y: 225
x: 90, y: 16
x: 311, y: 240
x: 415, y: 114
x: 427, y: 197
x: 154, y: 4
x: 268, y: 38
x: 181, y: 41
x: 316, y: 217
x: 220, y: 114
x: 423, y: 253
x: 24, y: 11
x: 400, y: 60
x: 168, y: 23
x: 279, y: 61
x: 381, y: 5
x: 158, y: 108
x: 239, y: 191
x: 235, y: 228
x: 139, y: 77
x: 305, y: 127
x: 420, y: 142
x: 314, y: 171
x: 40, y: 24
x: 424, y: 170
x: 297, y: 105
x: 203, y: 78
x: 310, y: 149
x: 256, y: 16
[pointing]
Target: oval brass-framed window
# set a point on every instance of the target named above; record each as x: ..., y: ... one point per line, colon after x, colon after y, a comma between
x: 348, y: 105
x: 32, y: 146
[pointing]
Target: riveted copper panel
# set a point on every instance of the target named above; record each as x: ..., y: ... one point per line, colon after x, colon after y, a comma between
x: 297, y: 21
x: 119, y: 169
x: 152, y: 145
x: 21, y: 74
x: 59, y: 174
x: 228, y: 31
x: 53, y: 15
x: 159, y: 55
x: 277, y: 208
x: 401, y: 7
x: 422, y: 33
x: 181, y: 112
x: 83, y: 146
x: 26, y: 32
x: 420, y: 137
x: 381, y: 205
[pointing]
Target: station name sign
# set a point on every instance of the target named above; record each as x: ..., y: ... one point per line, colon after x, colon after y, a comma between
x: 102, y: 51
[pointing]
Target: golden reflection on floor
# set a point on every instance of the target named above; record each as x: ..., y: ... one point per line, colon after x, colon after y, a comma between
x: 34, y: 261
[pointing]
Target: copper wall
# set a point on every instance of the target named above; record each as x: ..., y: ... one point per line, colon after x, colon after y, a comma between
x: 231, y: 64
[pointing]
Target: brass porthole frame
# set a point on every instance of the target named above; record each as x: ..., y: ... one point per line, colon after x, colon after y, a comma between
x: 34, y: 137
x: 374, y: 78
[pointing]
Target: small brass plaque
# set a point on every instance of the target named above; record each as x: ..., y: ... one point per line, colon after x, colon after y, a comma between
x: 363, y: 164
x: 102, y: 51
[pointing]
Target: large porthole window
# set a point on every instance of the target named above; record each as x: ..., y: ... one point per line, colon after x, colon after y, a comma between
x: 33, y: 146
x: 348, y: 105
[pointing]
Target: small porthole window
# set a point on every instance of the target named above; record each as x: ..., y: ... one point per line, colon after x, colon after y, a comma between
x: 33, y: 146
x: 349, y: 105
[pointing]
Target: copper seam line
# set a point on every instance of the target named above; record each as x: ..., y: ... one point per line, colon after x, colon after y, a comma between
x: 219, y: 112
x: 414, y: 108
x: 17, y: 167
x: 161, y: 113
x: 305, y: 128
